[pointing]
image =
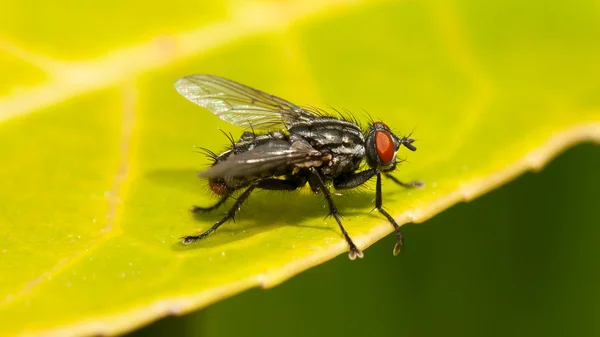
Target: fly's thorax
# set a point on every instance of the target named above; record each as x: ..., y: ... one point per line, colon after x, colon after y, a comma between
x: 324, y: 131
x: 343, y: 140
x: 247, y: 142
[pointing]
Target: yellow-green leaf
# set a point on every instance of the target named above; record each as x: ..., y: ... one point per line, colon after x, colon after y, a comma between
x: 98, y: 162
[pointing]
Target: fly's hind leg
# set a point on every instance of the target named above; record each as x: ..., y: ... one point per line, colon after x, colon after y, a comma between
x: 186, y: 240
x: 266, y: 184
x: 196, y: 209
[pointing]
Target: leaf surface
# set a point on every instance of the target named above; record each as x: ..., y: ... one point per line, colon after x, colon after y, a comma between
x: 99, y: 168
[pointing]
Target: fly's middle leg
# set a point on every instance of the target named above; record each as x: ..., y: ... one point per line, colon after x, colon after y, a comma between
x: 333, y: 211
x: 266, y: 184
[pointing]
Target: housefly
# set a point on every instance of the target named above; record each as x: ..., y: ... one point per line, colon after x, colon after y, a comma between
x: 286, y: 146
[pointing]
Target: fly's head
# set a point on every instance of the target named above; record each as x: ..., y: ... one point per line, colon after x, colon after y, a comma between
x: 382, y: 145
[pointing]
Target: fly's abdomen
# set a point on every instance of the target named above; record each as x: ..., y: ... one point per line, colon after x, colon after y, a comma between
x: 253, y: 158
x: 219, y: 187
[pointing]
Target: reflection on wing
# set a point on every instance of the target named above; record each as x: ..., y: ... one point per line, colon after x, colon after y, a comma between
x: 263, y: 158
x: 239, y: 104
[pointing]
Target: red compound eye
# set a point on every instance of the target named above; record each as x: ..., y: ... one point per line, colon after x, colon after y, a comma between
x: 385, y: 147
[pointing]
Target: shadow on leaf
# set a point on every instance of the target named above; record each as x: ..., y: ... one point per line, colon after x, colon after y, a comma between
x: 267, y: 210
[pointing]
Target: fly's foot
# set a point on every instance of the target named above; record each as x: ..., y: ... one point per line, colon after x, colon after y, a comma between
x: 196, y: 209
x: 415, y: 184
x: 411, y: 184
x: 397, y: 248
x: 354, y: 253
x: 399, y: 243
x: 186, y: 240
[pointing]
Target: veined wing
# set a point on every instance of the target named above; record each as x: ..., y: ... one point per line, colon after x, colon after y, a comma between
x: 239, y: 104
x: 265, y: 158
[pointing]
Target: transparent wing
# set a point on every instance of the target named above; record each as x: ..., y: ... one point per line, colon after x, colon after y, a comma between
x: 238, y: 104
x: 264, y: 158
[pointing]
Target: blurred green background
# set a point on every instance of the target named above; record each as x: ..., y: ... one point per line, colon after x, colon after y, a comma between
x: 95, y: 136
x: 519, y: 261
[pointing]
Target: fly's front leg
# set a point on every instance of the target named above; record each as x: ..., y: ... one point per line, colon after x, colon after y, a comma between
x: 353, y: 180
x: 266, y: 184
x: 379, y: 206
x: 354, y: 251
x: 356, y: 179
x: 410, y: 184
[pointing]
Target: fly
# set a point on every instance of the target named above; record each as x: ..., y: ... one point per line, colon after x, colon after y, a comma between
x: 288, y: 146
